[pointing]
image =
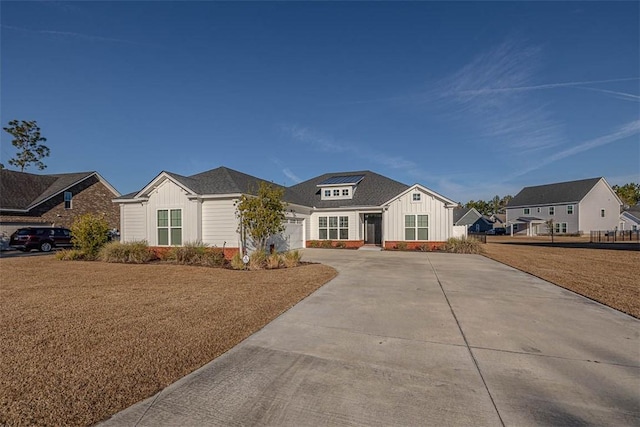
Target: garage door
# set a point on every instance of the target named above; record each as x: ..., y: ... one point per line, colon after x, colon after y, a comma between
x: 294, y: 233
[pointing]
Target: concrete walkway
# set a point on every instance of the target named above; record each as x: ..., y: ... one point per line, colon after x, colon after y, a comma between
x: 418, y: 339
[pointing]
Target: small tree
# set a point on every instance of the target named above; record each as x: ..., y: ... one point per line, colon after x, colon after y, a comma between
x: 261, y: 216
x: 89, y: 233
x: 628, y: 193
x: 26, y: 139
x: 550, y: 228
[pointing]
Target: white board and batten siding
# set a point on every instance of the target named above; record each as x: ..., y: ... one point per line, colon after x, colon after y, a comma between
x: 440, y: 217
x: 219, y: 223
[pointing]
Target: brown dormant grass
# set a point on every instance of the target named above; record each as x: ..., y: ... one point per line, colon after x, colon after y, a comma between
x: 602, y: 273
x: 83, y: 340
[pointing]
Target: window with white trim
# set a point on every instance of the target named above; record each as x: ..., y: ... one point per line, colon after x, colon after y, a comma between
x: 336, y: 193
x: 68, y: 196
x: 569, y: 209
x: 602, y: 213
x: 416, y: 197
x: 345, y: 192
x: 526, y: 211
x: 552, y: 210
x: 560, y: 227
x: 169, y: 227
x: 416, y: 227
x: 327, y: 193
x: 333, y: 228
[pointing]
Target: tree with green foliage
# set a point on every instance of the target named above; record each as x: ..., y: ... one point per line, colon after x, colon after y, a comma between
x: 27, y: 139
x: 628, y: 193
x: 261, y: 216
x: 89, y: 233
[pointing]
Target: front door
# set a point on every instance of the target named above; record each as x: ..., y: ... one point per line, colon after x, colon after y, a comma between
x: 373, y: 229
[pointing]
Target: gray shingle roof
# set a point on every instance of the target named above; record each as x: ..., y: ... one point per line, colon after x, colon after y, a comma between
x: 373, y: 190
x: 562, y: 192
x: 22, y: 191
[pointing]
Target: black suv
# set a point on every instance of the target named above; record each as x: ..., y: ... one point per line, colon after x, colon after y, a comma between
x: 42, y: 238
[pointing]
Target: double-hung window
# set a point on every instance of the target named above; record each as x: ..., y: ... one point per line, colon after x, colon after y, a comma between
x: 552, y: 210
x: 333, y: 227
x: 569, y: 209
x: 68, y: 196
x: 416, y: 227
x: 560, y: 227
x: 169, y: 227
x: 526, y: 211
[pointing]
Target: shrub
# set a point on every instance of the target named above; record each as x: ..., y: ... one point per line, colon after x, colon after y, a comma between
x: 72, y: 255
x: 189, y: 254
x: 314, y: 244
x: 89, y: 233
x: 258, y: 260
x: 292, y: 259
x: 402, y: 246
x: 423, y: 247
x: 236, y: 262
x: 327, y: 244
x: 341, y: 244
x: 463, y: 246
x: 130, y: 252
x: 274, y: 261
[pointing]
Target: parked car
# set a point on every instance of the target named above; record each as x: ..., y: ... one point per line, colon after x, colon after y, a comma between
x: 42, y: 238
x: 497, y: 231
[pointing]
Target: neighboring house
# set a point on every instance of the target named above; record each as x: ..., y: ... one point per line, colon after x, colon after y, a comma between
x: 472, y: 219
x: 576, y: 207
x: 356, y: 208
x: 630, y: 218
x: 499, y: 220
x: 57, y: 199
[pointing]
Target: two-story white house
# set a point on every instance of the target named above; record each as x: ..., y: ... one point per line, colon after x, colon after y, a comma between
x: 576, y: 207
x: 351, y: 208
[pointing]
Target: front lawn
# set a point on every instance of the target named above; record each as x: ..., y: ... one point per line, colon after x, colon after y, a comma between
x: 84, y: 340
x: 608, y: 273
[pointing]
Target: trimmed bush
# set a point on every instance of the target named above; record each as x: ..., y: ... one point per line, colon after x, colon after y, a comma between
x: 129, y: 253
x: 463, y: 246
x: 89, y: 233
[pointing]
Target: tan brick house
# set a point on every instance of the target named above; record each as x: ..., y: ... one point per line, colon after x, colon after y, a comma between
x: 54, y: 200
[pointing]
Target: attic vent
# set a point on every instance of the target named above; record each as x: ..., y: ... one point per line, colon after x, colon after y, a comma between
x: 342, y: 180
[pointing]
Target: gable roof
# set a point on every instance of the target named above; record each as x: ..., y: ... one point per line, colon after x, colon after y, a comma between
x: 372, y: 190
x: 22, y: 191
x: 561, y: 192
x: 217, y: 181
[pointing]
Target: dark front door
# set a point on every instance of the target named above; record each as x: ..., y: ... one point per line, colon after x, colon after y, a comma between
x: 373, y: 229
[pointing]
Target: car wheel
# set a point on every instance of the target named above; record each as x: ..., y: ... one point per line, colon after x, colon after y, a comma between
x: 45, y: 247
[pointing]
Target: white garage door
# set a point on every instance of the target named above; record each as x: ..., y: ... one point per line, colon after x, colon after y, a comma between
x: 291, y: 238
x: 294, y: 233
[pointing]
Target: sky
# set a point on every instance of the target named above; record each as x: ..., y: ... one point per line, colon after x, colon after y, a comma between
x: 470, y: 99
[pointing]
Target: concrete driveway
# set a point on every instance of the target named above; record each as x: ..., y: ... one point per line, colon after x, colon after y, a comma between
x: 418, y: 339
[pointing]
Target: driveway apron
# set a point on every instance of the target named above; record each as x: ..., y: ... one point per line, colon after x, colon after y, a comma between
x: 401, y: 338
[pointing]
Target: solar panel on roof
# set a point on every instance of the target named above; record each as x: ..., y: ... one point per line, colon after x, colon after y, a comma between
x: 350, y: 179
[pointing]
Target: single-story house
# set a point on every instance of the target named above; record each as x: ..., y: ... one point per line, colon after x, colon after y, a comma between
x: 630, y: 219
x: 355, y: 208
x: 472, y: 219
x: 28, y: 199
x: 576, y: 207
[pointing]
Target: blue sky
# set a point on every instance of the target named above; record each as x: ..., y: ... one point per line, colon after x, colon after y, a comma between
x: 469, y: 99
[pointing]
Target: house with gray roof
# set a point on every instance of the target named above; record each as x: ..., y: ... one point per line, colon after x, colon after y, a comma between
x: 630, y: 218
x: 28, y: 199
x: 576, y: 207
x: 473, y: 220
x: 356, y: 208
